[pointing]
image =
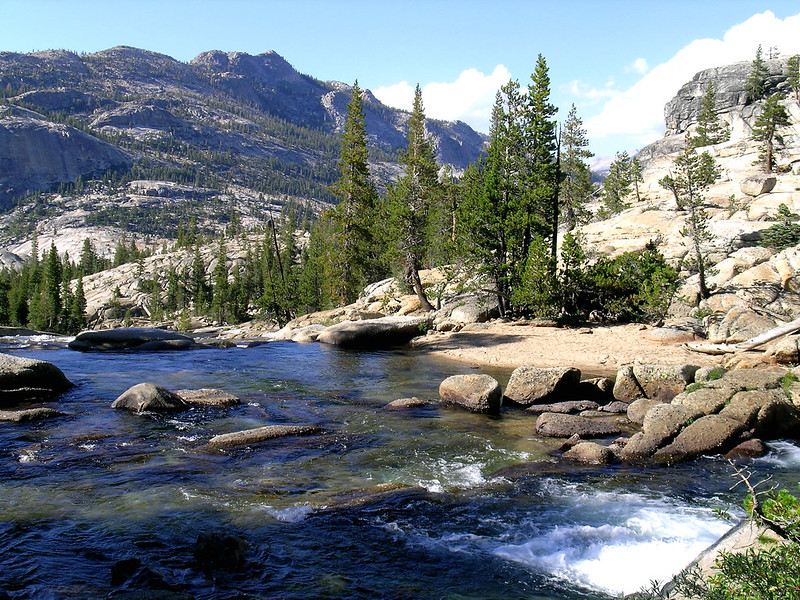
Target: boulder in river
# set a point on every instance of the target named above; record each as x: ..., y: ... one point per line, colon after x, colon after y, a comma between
x: 711, y: 434
x: 261, y: 434
x: 29, y: 414
x: 657, y: 382
x: 140, y: 339
x: 207, y: 397
x: 148, y: 397
x: 476, y: 393
x: 590, y: 453
x: 407, y: 403
x: 540, y: 385
x: 375, y: 333
x: 25, y: 379
x: 560, y: 425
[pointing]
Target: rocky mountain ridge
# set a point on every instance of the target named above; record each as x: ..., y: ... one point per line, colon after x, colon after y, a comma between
x: 222, y: 117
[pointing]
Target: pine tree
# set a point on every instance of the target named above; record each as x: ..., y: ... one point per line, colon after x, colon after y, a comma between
x: 756, y: 86
x: 411, y: 198
x: 693, y: 173
x: 617, y: 184
x: 541, y: 177
x: 356, y: 262
x: 765, y: 129
x: 576, y: 184
x: 710, y: 130
x: 793, y: 76
x: 219, y: 300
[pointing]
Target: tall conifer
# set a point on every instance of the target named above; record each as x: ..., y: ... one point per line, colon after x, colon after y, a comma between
x: 411, y: 199
x: 355, y: 261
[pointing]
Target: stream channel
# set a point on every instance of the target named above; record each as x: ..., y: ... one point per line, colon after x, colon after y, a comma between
x: 426, y: 503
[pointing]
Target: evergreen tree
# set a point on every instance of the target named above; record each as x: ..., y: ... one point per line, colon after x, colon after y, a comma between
x: 220, y: 278
x: 693, y: 173
x: 492, y: 215
x: 541, y: 175
x: 710, y: 130
x: 765, y: 129
x: 411, y: 199
x: 356, y: 261
x: 793, y: 76
x: 617, y: 184
x: 756, y: 86
x: 576, y: 184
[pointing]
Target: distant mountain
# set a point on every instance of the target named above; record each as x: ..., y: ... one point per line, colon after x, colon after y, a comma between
x: 223, y: 118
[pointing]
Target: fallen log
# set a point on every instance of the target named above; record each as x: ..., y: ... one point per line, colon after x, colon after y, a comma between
x: 759, y: 340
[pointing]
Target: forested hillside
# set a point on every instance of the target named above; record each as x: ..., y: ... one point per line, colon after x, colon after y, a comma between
x: 126, y: 114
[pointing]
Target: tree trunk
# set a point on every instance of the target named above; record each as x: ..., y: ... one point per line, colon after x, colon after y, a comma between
x: 411, y: 273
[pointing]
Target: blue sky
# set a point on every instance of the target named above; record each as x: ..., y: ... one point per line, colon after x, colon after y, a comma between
x: 618, y: 61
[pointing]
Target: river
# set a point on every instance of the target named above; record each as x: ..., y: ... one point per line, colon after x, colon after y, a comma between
x: 425, y: 503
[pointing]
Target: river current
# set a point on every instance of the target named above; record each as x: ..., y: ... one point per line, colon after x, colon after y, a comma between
x: 416, y: 504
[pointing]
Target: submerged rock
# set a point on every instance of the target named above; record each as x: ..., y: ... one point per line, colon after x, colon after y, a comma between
x: 476, y: 393
x: 207, y: 397
x: 261, y: 434
x: 30, y: 414
x: 141, y: 339
x: 220, y: 550
x: 24, y: 379
x: 148, y: 397
x: 407, y: 403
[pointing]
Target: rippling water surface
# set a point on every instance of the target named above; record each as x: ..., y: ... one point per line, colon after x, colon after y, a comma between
x: 426, y: 503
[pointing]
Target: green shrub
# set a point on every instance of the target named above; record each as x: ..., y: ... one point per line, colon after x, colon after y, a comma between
x: 785, y: 233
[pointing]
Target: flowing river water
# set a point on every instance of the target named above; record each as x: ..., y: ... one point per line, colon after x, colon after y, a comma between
x: 416, y: 504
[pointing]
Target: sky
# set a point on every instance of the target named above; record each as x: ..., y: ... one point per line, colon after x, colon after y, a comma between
x: 618, y: 61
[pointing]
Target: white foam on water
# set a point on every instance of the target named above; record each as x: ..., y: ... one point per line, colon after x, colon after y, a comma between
x: 87, y: 446
x: 290, y: 514
x: 781, y: 454
x: 643, y: 540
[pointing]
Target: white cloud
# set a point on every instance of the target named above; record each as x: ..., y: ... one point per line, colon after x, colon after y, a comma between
x: 399, y: 95
x: 581, y: 89
x: 639, y: 66
x: 469, y: 98
x: 639, y: 111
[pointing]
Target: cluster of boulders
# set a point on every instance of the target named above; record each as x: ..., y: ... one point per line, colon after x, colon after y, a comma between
x: 661, y: 413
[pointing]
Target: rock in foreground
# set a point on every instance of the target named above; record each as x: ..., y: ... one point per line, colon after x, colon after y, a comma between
x: 148, y: 397
x: 141, y: 339
x: 24, y: 379
x: 476, y: 393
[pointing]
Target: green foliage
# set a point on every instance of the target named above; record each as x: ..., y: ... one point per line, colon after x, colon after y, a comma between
x: 756, y: 85
x: 788, y: 380
x: 692, y: 174
x: 618, y: 184
x: 785, y: 233
x: 793, y: 76
x: 355, y: 219
x: 412, y: 198
x: 510, y: 197
x: 765, y: 129
x: 635, y: 286
x: 576, y: 177
x: 710, y: 129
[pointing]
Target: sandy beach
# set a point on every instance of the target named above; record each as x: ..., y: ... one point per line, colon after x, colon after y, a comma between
x: 595, y: 350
